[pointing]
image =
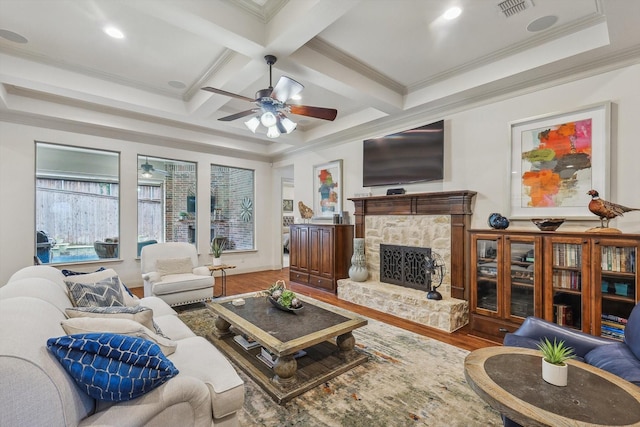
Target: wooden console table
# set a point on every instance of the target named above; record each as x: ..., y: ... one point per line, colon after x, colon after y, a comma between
x: 510, y: 380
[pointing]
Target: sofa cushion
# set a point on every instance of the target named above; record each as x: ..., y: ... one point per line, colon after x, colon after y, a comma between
x: 195, y: 357
x: 174, y: 266
x: 84, y: 325
x: 112, y: 367
x: 616, y: 358
x: 103, y: 293
x: 140, y: 314
x: 181, y: 283
x: 632, y: 331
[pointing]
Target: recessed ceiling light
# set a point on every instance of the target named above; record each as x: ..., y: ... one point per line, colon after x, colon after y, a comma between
x: 12, y: 37
x: 542, y: 23
x: 114, y: 32
x: 176, y: 84
x: 452, y: 13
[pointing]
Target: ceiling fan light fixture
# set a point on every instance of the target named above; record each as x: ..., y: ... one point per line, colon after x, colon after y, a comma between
x: 273, y: 132
x: 147, y: 174
x: 288, y: 124
x: 268, y: 119
x: 252, y: 124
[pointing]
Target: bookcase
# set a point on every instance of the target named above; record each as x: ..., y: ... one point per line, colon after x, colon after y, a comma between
x: 585, y: 281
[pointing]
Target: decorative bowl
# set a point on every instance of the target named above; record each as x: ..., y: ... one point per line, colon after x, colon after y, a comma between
x: 279, y: 306
x: 547, y: 224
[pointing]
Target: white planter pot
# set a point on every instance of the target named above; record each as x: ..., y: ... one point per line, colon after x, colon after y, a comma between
x: 555, y: 374
x: 217, y: 261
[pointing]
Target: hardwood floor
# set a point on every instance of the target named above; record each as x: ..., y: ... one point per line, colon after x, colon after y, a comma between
x: 251, y: 282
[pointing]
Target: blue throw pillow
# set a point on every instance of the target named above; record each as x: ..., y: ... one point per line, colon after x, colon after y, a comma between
x: 112, y: 367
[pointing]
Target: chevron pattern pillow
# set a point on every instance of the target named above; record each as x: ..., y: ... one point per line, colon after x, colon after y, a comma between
x: 112, y: 367
x: 105, y: 293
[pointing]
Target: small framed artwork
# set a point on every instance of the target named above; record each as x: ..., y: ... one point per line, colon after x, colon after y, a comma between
x: 556, y: 159
x: 287, y: 205
x: 327, y: 187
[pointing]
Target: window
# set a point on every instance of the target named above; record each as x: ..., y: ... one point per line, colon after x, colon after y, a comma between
x: 232, y: 207
x: 166, y: 201
x: 77, y: 204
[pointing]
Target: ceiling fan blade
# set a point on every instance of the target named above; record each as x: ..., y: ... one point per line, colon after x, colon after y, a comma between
x: 286, y: 88
x: 224, y: 92
x: 317, y: 112
x: 237, y: 116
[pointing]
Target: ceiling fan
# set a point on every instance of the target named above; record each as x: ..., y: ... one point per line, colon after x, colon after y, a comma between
x: 271, y: 105
x: 148, y: 170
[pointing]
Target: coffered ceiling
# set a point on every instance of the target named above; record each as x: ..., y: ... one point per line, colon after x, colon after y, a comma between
x: 380, y: 63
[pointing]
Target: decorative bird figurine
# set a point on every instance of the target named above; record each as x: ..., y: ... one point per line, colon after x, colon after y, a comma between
x: 305, y: 211
x: 606, y: 210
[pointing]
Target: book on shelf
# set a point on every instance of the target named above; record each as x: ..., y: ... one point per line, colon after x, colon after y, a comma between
x: 563, y: 314
x: 618, y: 259
x: 246, y: 342
x: 613, y: 318
x: 614, y: 335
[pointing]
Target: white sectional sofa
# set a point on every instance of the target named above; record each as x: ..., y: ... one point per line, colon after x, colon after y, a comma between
x: 37, y: 391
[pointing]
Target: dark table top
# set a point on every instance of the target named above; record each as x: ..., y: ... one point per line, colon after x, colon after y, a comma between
x: 510, y: 380
x: 285, y: 332
x: 284, y: 325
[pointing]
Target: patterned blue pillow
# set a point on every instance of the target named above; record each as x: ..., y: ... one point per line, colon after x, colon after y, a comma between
x: 105, y: 293
x: 112, y: 367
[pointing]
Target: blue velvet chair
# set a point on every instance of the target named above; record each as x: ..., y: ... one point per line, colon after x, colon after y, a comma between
x: 619, y: 358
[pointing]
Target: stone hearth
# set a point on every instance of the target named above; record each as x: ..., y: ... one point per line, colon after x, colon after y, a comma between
x: 448, y: 314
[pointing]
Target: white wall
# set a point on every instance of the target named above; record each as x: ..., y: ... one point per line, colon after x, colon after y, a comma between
x: 478, y: 153
x: 477, y: 159
x: 17, y: 198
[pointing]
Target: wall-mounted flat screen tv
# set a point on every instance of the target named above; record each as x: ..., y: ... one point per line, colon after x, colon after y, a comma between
x: 414, y: 155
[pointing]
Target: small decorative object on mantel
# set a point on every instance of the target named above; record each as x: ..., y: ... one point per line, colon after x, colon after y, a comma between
x: 497, y: 221
x: 435, y: 269
x: 306, y: 213
x: 606, y: 211
x: 547, y: 224
x: 282, y: 298
x: 554, y: 370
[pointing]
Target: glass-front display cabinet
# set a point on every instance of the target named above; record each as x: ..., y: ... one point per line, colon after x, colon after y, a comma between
x: 505, y: 276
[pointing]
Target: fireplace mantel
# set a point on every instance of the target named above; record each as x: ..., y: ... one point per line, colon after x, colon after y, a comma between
x: 457, y: 204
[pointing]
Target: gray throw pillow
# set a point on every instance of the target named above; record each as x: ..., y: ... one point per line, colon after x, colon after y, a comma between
x: 105, y: 293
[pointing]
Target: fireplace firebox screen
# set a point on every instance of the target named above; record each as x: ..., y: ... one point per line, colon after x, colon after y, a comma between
x: 405, y: 266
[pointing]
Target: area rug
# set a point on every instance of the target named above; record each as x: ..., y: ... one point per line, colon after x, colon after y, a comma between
x: 408, y: 380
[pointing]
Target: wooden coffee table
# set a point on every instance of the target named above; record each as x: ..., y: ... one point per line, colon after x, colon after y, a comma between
x: 284, y: 334
x: 510, y: 380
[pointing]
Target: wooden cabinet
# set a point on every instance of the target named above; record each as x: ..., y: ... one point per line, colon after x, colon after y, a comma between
x: 320, y: 254
x: 580, y: 280
x: 505, y: 281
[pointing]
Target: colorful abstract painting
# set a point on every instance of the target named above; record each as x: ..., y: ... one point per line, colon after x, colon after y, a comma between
x: 556, y: 164
x: 327, y: 179
x: 556, y: 159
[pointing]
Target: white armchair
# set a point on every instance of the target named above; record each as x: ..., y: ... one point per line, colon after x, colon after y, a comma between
x: 170, y: 271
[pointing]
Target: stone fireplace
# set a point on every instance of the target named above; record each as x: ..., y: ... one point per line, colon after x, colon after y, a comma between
x: 437, y: 221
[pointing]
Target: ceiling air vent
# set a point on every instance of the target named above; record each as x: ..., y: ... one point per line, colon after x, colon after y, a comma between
x: 511, y: 7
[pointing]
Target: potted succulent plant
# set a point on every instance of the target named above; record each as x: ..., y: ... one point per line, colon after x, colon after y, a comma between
x: 217, y: 246
x: 554, y: 355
